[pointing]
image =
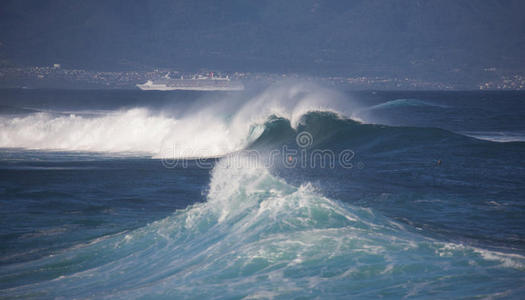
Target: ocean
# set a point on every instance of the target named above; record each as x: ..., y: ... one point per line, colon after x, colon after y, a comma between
x: 294, y: 191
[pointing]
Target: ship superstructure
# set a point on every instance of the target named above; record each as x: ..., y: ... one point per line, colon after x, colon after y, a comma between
x: 195, y: 83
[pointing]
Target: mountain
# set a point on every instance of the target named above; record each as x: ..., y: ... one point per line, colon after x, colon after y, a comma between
x: 385, y: 37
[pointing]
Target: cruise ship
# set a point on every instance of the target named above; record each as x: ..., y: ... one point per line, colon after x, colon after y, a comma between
x: 196, y: 83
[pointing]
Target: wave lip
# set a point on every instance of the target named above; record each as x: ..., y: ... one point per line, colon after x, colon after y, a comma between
x: 405, y: 103
x: 497, y: 136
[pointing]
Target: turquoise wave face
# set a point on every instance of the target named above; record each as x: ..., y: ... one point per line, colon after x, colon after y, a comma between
x: 256, y: 236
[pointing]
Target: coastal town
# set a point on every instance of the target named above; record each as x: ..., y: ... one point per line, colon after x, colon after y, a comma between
x: 57, y: 76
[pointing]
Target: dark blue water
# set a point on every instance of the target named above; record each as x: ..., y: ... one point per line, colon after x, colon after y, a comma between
x: 293, y: 191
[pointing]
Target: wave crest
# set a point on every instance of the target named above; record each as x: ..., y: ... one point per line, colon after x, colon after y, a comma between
x: 207, y: 130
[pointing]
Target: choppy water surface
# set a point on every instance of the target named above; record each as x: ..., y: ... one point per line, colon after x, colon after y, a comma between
x: 294, y: 191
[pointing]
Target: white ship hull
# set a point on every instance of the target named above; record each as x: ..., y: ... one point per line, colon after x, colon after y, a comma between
x: 195, y: 85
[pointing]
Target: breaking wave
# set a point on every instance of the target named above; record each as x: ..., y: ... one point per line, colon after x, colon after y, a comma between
x: 256, y: 236
x: 207, y: 130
